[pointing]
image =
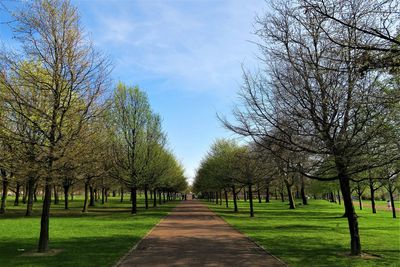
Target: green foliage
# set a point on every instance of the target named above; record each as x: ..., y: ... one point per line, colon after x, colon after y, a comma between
x: 219, y: 169
x: 140, y: 158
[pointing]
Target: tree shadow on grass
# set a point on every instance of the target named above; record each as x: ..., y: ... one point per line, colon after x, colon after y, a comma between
x: 76, y: 212
x: 308, y: 251
x: 85, y: 251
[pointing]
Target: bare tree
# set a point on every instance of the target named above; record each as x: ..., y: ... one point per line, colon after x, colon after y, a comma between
x: 312, y: 100
x: 376, y: 21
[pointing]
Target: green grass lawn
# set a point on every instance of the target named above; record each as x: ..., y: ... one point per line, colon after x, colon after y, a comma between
x: 382, y: 203
x: 97, y: 238
x: 316, y: 234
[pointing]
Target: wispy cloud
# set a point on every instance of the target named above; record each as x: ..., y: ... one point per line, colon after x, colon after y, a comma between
x: 197, y: 44
x: 187, y: 53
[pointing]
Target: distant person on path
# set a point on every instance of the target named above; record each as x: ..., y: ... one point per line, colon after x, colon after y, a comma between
x: 389, y: 204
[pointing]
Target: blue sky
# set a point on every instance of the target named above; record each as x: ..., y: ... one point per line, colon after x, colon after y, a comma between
x: 187, y: 55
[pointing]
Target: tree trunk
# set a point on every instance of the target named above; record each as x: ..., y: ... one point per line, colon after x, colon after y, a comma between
x: 92, y: 196
x: 44, y: 222
x: 282, y: 197
x: 339, y: 199
x: 372, y: 189
x: 392, y: 200
x: 226, y: 198
x: 267, y: 194
x: 56, y: 198
x: 4, y: 192
x: 146, y: 198
x: 66, y: 194
x: 258, y: 194
x: 220, y: 197
x: 103, y: 191
x: 17, y: 193
x: 216, y: 197
x: 244, y: 195
x: 159, y: 197
x: 86, y: 201
x: 134, y: 200
x: 155, y: 198
x: 234, y: 199
x: 30, y: 193
x: 163, y: 196
x: 292, y: 205
x: 35, y: 193
x: 355, y: 243
x: 303, y: 192
x: 250, y: 196
x: 25, y: 195
x: 360, y: 201
x: 122, y: 195
x: 114, y: 193
x: 332, y: 197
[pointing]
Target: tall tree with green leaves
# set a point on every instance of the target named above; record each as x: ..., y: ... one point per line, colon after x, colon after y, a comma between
x: 130, y: 115
x: 67, y: 75
x: 154, y: 143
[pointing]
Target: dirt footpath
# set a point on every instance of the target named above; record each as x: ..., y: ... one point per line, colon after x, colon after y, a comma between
x: 192, y: 235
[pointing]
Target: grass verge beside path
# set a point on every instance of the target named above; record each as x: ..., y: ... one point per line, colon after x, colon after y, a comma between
x: 316, y: 234
x: 97, y: 238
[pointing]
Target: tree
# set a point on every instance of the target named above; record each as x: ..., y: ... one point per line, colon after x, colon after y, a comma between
x: 218, y: 170
x: 390, y: 180
x: 154, y: 144
x: 373, y: 187
x: 172, y: 179
x: 359, y: 188
x: 229, y: 166
x: 281, y: 165
x: 316, y: 99
x: 375, y: 20
x: 250, y: 172
x: 67, y: 75
x: 129, y: 115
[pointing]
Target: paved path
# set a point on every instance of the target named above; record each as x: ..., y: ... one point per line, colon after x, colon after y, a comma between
x: 192, y: 235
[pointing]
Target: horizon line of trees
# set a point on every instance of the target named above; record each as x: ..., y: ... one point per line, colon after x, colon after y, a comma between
x: 233, y: 171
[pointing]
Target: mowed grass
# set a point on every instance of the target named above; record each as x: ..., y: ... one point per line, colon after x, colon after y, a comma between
x: 316, y: 234
x: 97, y: 238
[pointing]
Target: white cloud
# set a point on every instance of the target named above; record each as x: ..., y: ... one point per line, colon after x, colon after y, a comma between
x: 188, y: 52
x: 197, y: 44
